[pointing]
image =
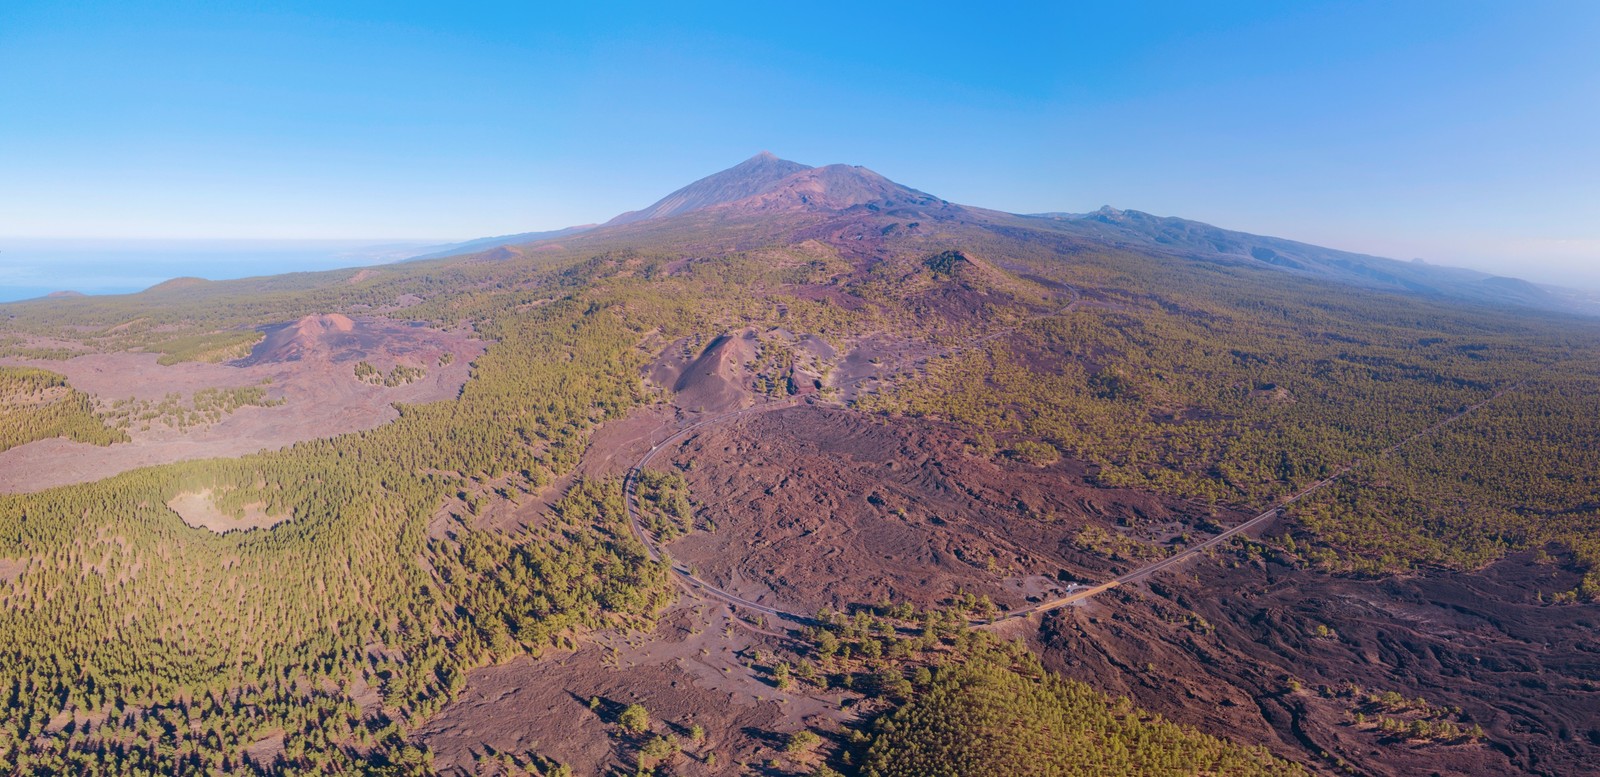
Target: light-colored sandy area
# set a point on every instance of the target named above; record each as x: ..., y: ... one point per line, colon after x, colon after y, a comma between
x: 11, y: 568
x: 308, y: 364
x: 199, y: 511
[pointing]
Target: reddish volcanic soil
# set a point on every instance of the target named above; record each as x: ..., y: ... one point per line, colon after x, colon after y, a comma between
x: 714, y: 381
x: 694, y: 669
x: 823, y: 506
x: 309, y: 365
x: 816, y: 505
x: 1529, y: 673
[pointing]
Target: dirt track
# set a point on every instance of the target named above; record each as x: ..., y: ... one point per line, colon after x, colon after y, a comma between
x: 821, y: 506
x: 1253, y: 523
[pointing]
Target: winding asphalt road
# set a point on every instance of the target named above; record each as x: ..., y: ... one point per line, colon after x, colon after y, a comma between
x: 696, y: 585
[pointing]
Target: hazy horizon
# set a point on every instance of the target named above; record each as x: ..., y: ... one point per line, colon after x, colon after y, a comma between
x: 35, y: 267
x: 125, y: 265
x: 1458, y: 135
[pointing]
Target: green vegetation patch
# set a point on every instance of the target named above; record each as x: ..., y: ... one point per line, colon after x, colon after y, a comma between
x: 1039, y: 454
x: 38, y: 404
x: 1520, y: 473
x: 1231, y: 387
x: 212, y: 347
x: 946, y: 262
x: 664, y: 507
x: 942, y: 698
x: 998, y: 711
x: 205, y: 407
x: 399, y: 375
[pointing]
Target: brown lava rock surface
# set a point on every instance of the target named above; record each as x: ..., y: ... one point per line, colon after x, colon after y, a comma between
x: 1529, y: 673
x: 818, y: 506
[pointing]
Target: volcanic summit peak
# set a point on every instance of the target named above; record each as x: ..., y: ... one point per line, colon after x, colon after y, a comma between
x: 748, y: 178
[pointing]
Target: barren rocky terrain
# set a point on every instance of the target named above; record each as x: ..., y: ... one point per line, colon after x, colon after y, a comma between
x: 818, y: 506
x: 307, y: 367
x: 697, y: 668
x: 1258, y: 662
x: 822, y: 507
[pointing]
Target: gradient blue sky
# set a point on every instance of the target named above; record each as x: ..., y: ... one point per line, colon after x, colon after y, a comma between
x: 1461, y: 132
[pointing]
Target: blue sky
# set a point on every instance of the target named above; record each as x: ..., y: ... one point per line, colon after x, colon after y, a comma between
x: 1461, y: 132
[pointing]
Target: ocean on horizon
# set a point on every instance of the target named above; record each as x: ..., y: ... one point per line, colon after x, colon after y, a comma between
x: 36, y: 267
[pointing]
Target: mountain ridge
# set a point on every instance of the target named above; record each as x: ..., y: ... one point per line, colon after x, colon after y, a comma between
x: 767, y: 186
x: 1136, y: 229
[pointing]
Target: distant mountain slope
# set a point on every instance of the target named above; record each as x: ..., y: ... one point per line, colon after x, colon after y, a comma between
x: 762, y: 185
x: 746, y: 179
x: 1136, y: 230
x: 771, y: 190
x: 834, y: 187
x: 487, y: 243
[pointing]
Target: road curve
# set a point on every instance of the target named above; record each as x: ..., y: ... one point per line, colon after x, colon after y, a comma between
x: 685, y: 577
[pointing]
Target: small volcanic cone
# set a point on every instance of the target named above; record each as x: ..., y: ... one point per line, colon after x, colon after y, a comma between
x: 312, y: 336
